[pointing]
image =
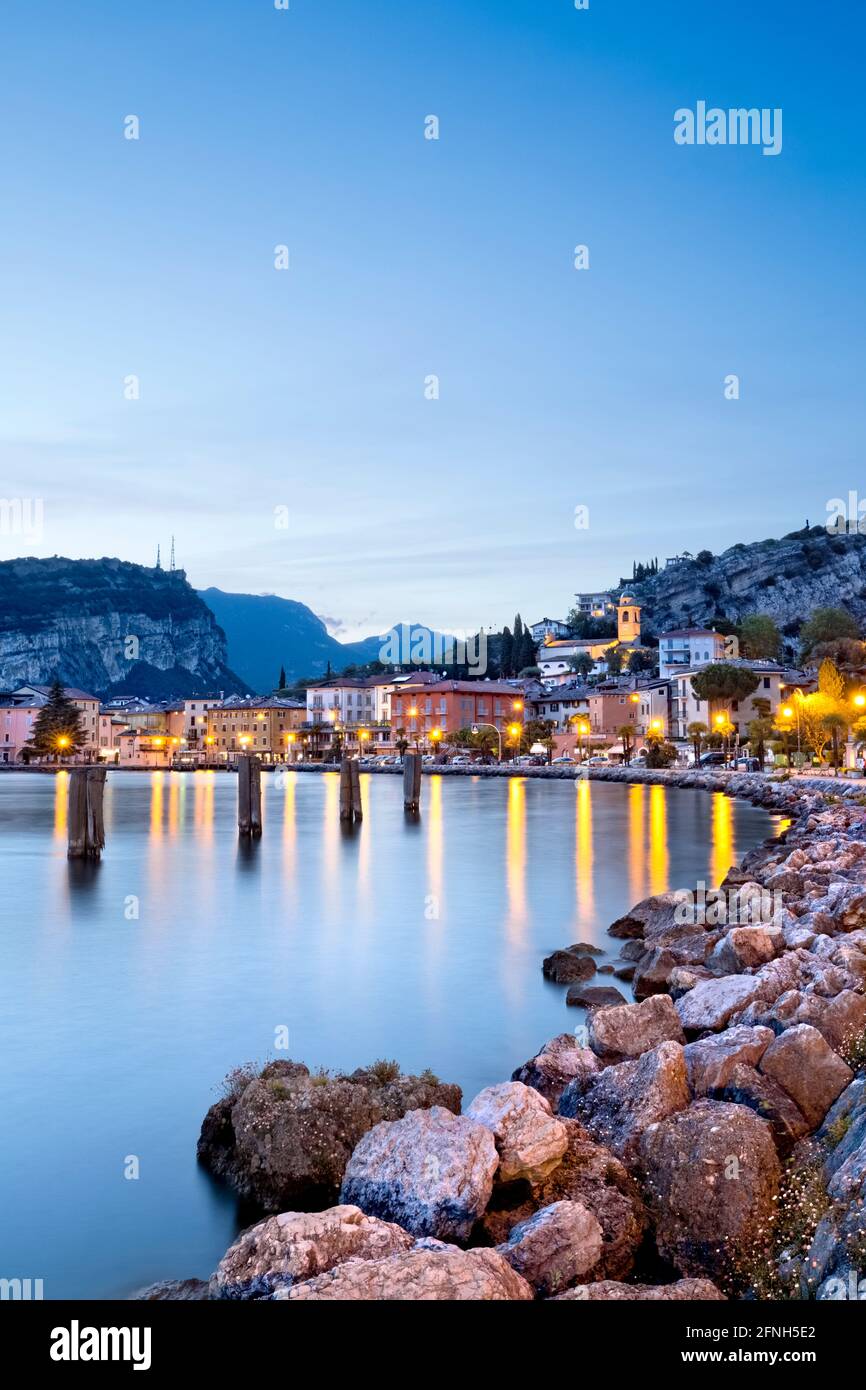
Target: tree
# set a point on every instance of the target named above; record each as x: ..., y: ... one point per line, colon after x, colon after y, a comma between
x: 725, y: 729
x: 625, y: 733
x: 760, y: 638
x: 57, y: 731
x: 539, y: 731
x: 506, y: 653
x: 281, y: 685
x: 704, y: 557
x: 830, y: 681
x: 582, y: 664
x: 760, y: 732
x: 847, y: 653
x: 642, y: 659
x: 660, y: 754
x: 696, y: 732
x: 836, y: 725
x: 722, y: 682
x: 614, y: 657
x: 401, y: 742
x: 826, y: 625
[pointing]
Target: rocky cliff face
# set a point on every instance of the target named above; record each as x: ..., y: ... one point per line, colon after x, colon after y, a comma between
x: 785, y: 579
x: 108, y: 626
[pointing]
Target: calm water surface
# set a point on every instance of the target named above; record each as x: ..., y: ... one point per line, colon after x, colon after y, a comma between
x: 419, y: 941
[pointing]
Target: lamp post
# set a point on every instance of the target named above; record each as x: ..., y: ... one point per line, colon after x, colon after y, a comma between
x: 476, y: 727
x: 514, y: 732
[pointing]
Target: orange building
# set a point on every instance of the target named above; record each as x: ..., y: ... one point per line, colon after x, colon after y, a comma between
x: 450, y: 705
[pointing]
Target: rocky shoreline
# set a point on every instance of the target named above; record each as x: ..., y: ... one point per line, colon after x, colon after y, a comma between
x: 707, y: 1141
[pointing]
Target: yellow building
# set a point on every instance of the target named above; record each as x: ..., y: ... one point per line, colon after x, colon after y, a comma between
x: 270, y: 728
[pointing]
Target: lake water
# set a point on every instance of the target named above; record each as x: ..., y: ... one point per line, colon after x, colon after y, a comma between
x: 419, y: 941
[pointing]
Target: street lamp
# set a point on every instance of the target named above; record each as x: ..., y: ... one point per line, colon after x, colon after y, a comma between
x: 515, y: 731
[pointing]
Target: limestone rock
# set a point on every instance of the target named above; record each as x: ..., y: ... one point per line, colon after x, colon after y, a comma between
x: 711, y: 1180
x: 529, y: 1137
x: 620, y: 1102
x: 294, y: 1246
x: 420, y: 1275
x: 431, y: 1172
x: 711, y: 1060
x: 559, y: 1062
x: 555, y: 1248
x: 625, y: 1032
x: 802, y: 1062
x: 609, y: 1291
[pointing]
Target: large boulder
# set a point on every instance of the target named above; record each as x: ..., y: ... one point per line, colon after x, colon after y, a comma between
x: 711, y: 1180
x: 559, y: 1062
x: 174, y: 1291
x: 618, y: 1104
x: 744, y: 948
x: 572, y: 963
x: 283, y: 1137
x: 594, y: 996
x: 419, y: 1275
x: 657, y: 920
x: 591, y: 1175
x: 294, y: 1246
x: 555, y: 1248
x: 609, y: 1291
x: 431, y: 1172
x: 529, y: 1137
x: 746, y: 1086
x: 711, y: 1060
x: 626, y: 1031
x: 805, y: 1065
x: 712, y: 1002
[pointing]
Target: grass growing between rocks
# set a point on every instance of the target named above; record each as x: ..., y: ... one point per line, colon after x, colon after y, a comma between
x: 770, y: 1269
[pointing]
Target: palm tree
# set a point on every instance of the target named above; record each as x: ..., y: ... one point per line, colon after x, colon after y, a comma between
x: 835, y: 723
x: 401, y: 742
x: 696, y: 731
x: 624, y: 733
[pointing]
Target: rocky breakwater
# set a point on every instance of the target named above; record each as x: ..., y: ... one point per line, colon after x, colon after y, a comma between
x: 706, y: 1141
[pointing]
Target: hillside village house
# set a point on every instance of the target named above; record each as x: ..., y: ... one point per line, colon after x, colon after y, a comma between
x: 548, y: 628
x: 599, y: 605
x: 688, y: 648
x: 555, y: 657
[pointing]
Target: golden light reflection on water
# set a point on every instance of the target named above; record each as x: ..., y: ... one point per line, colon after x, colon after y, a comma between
x: 636, y: 852
x: 659, y: 867
x: 203, y: 802
x: 61, y: 803
x: 583, y: 881
x: 434, y: 846
x: 723, y: 846
x: 515, y: 852
x: 156, y: 795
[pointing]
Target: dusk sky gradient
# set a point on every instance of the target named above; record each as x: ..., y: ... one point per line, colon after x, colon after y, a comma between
x: 305, y: 388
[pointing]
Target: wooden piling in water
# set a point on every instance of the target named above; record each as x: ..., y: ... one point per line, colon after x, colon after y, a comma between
x: 84, y: 813
x: 350, y: 790
x: 411, y: 781
x: 249, y: 795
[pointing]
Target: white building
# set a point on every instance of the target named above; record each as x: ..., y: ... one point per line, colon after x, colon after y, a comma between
x: 688, y: 648
x: 549, y: 627
x: 773, y: 679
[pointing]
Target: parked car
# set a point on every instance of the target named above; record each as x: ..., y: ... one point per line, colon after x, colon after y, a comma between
x: 460, y: 760
x: 747, y: 764
x: 713, y: 759
x: 598, y: 760
x: 564, y: 758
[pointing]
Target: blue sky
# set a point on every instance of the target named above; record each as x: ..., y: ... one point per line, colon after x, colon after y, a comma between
x: 304, y: 389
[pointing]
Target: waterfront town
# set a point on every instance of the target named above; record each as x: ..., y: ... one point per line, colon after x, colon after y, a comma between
x: 692, y: 696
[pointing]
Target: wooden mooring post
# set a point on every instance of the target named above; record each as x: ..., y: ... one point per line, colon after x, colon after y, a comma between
x: 350, y: 790
x: 411, y: 781
x: 249, y: 795
x: 84, y: 812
